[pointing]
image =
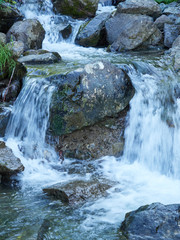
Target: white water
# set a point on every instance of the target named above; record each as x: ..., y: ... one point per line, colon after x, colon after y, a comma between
x: 149, y: 170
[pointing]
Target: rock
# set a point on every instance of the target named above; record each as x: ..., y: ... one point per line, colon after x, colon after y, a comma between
x: 160, y: 21
x: 146, y: 7
x: 29, y: 31
x: 5, y: 112
x: 66, y: 31
x: 17, y: 48
x: 171, y: 32
x: 76, y: 8
x: 43, y: 229
x: 87, y: 96
x: 176, y: 43
x: 2, y: 38
x: 93, y: 33
x: 128, y: 31
x: 9, y: 164
x: 77, y: 191
x: 8, y: 15
x: 155, y: 221
x: 154, y: 39
x: 45, y: 58
x: 177, y: 61
x: 174, y: 10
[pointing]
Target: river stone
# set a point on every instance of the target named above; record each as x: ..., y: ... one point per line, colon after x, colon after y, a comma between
x: 146, y: 7
x: 171, y: 32
x: 29, y: 31
x: 9, y: 164
x: 128, y: 31
x: 93, y: 33
x: 66, y: 31
x: 77, y: 191
x: 45, y: 58
x: 87, y: 96
x: 5, y: 112
x: 160, y: 21
x: 9, y: 14
x: 2, y: 38
x: 17, y: 48
x: 155, y: 39
x: 155, y: 221
x: 176, y: 43
x: 76, y: 8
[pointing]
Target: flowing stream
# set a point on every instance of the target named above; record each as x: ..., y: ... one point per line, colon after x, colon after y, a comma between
x: 148, y: 171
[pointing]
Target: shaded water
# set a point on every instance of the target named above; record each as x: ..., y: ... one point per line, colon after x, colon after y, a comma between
x: 147, y: 172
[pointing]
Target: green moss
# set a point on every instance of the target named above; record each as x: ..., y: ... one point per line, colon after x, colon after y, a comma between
x: 165, y: 1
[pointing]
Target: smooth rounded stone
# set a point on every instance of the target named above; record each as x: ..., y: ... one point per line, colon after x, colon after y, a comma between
x: 9, y: 14
x: 29, y: 31
x: 2, y: 38
x: 76, y: 8
x: 17, y: 48
x: 146, y: 7
x: 45, y: 58
x: 93, y: 33
x: 171, y: 32
x: 88, y: 95
x: 9, y: 163
x: 128, y: 31
x: 160, y: 21
x: 78, y: 191
x: 155, y: 221
x: 35, y: 52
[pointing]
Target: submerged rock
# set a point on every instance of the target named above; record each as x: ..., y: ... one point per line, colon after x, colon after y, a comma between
x: 9, y: 164
x: 77, y: 191
x: 86, y: 96
x: 155, y: 221
x: 29, y: 31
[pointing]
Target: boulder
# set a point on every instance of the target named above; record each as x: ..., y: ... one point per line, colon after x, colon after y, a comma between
x: 129, y: 31
x: 171, y: 32
x: 93, y: 34
x: 76, y: 8
x: 45, y: 58
x: 5, y: 112
x: 155, y: 221
x: 17, y: 48
x: 160, y: 21
x: 9, y: 164
x: 29, y: 31
x: 77, y: 191
x: 88, y: 95
x: 2, y: 38
x: 66, y: 31
x: 146, y: 7
x: 173, y: 9
x: 176, y: 43
x: 8, y: 15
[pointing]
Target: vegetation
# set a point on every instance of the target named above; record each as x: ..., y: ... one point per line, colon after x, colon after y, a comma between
x: 165, y: 1
x: 7, y: 63
x: 7, y: 1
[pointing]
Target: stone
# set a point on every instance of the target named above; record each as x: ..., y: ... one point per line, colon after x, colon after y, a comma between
x: 66, y: 31
x: 2, y: 38
x: 29, y: 31
x: 86, y: 96
x: 177, y: 61
x: 154, y: 39
x: 93, y: 33
x: 9, y: 14
x: 171, y: 32
x: 176, y: 43
x: 9, y: 164
x: 5, y: 113
x: 146, y: 7
x: 77, y: 191
x: 155, y: 221
x: 160, y: 21
x: 45, y: 58
x: 174, y: 10
x: 128, y: 31
x: 17, y: 48
x: 76, y: 8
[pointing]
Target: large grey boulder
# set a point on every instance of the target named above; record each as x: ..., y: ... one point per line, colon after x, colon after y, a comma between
x: 78, y: 191
x: 129, y: 31
x: 171, y: 32
x: 8, y: 16
x: 160, y: 21
x: 155, y: 221
x: 88, y: 95
x: 93, y: 34
x: 17, y: 48
x: 76, y: 8
x: 146, y: 7
x: 2, y: 38
x: 29, y: 31
x: 9, y: 164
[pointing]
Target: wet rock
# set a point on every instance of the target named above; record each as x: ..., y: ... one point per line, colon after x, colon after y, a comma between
x: 155, y: 221
x: 128, y: 31
x: 17, y: 48
x: 9, y: 14
x: 66, y: 31
x: 76, y: 8
x: 176, y: 43
x: 9, y: 164
x: 45, y: 58
x: 171, y: 32
x: 43, y: 229
x: 161, y: 21
x: 2, y: 38
x: 93, y: 33
x: 5, y: 112
x: 29, y: 31
x: 78, y: 191
x: 86, y: 96
x: 146, y: 7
